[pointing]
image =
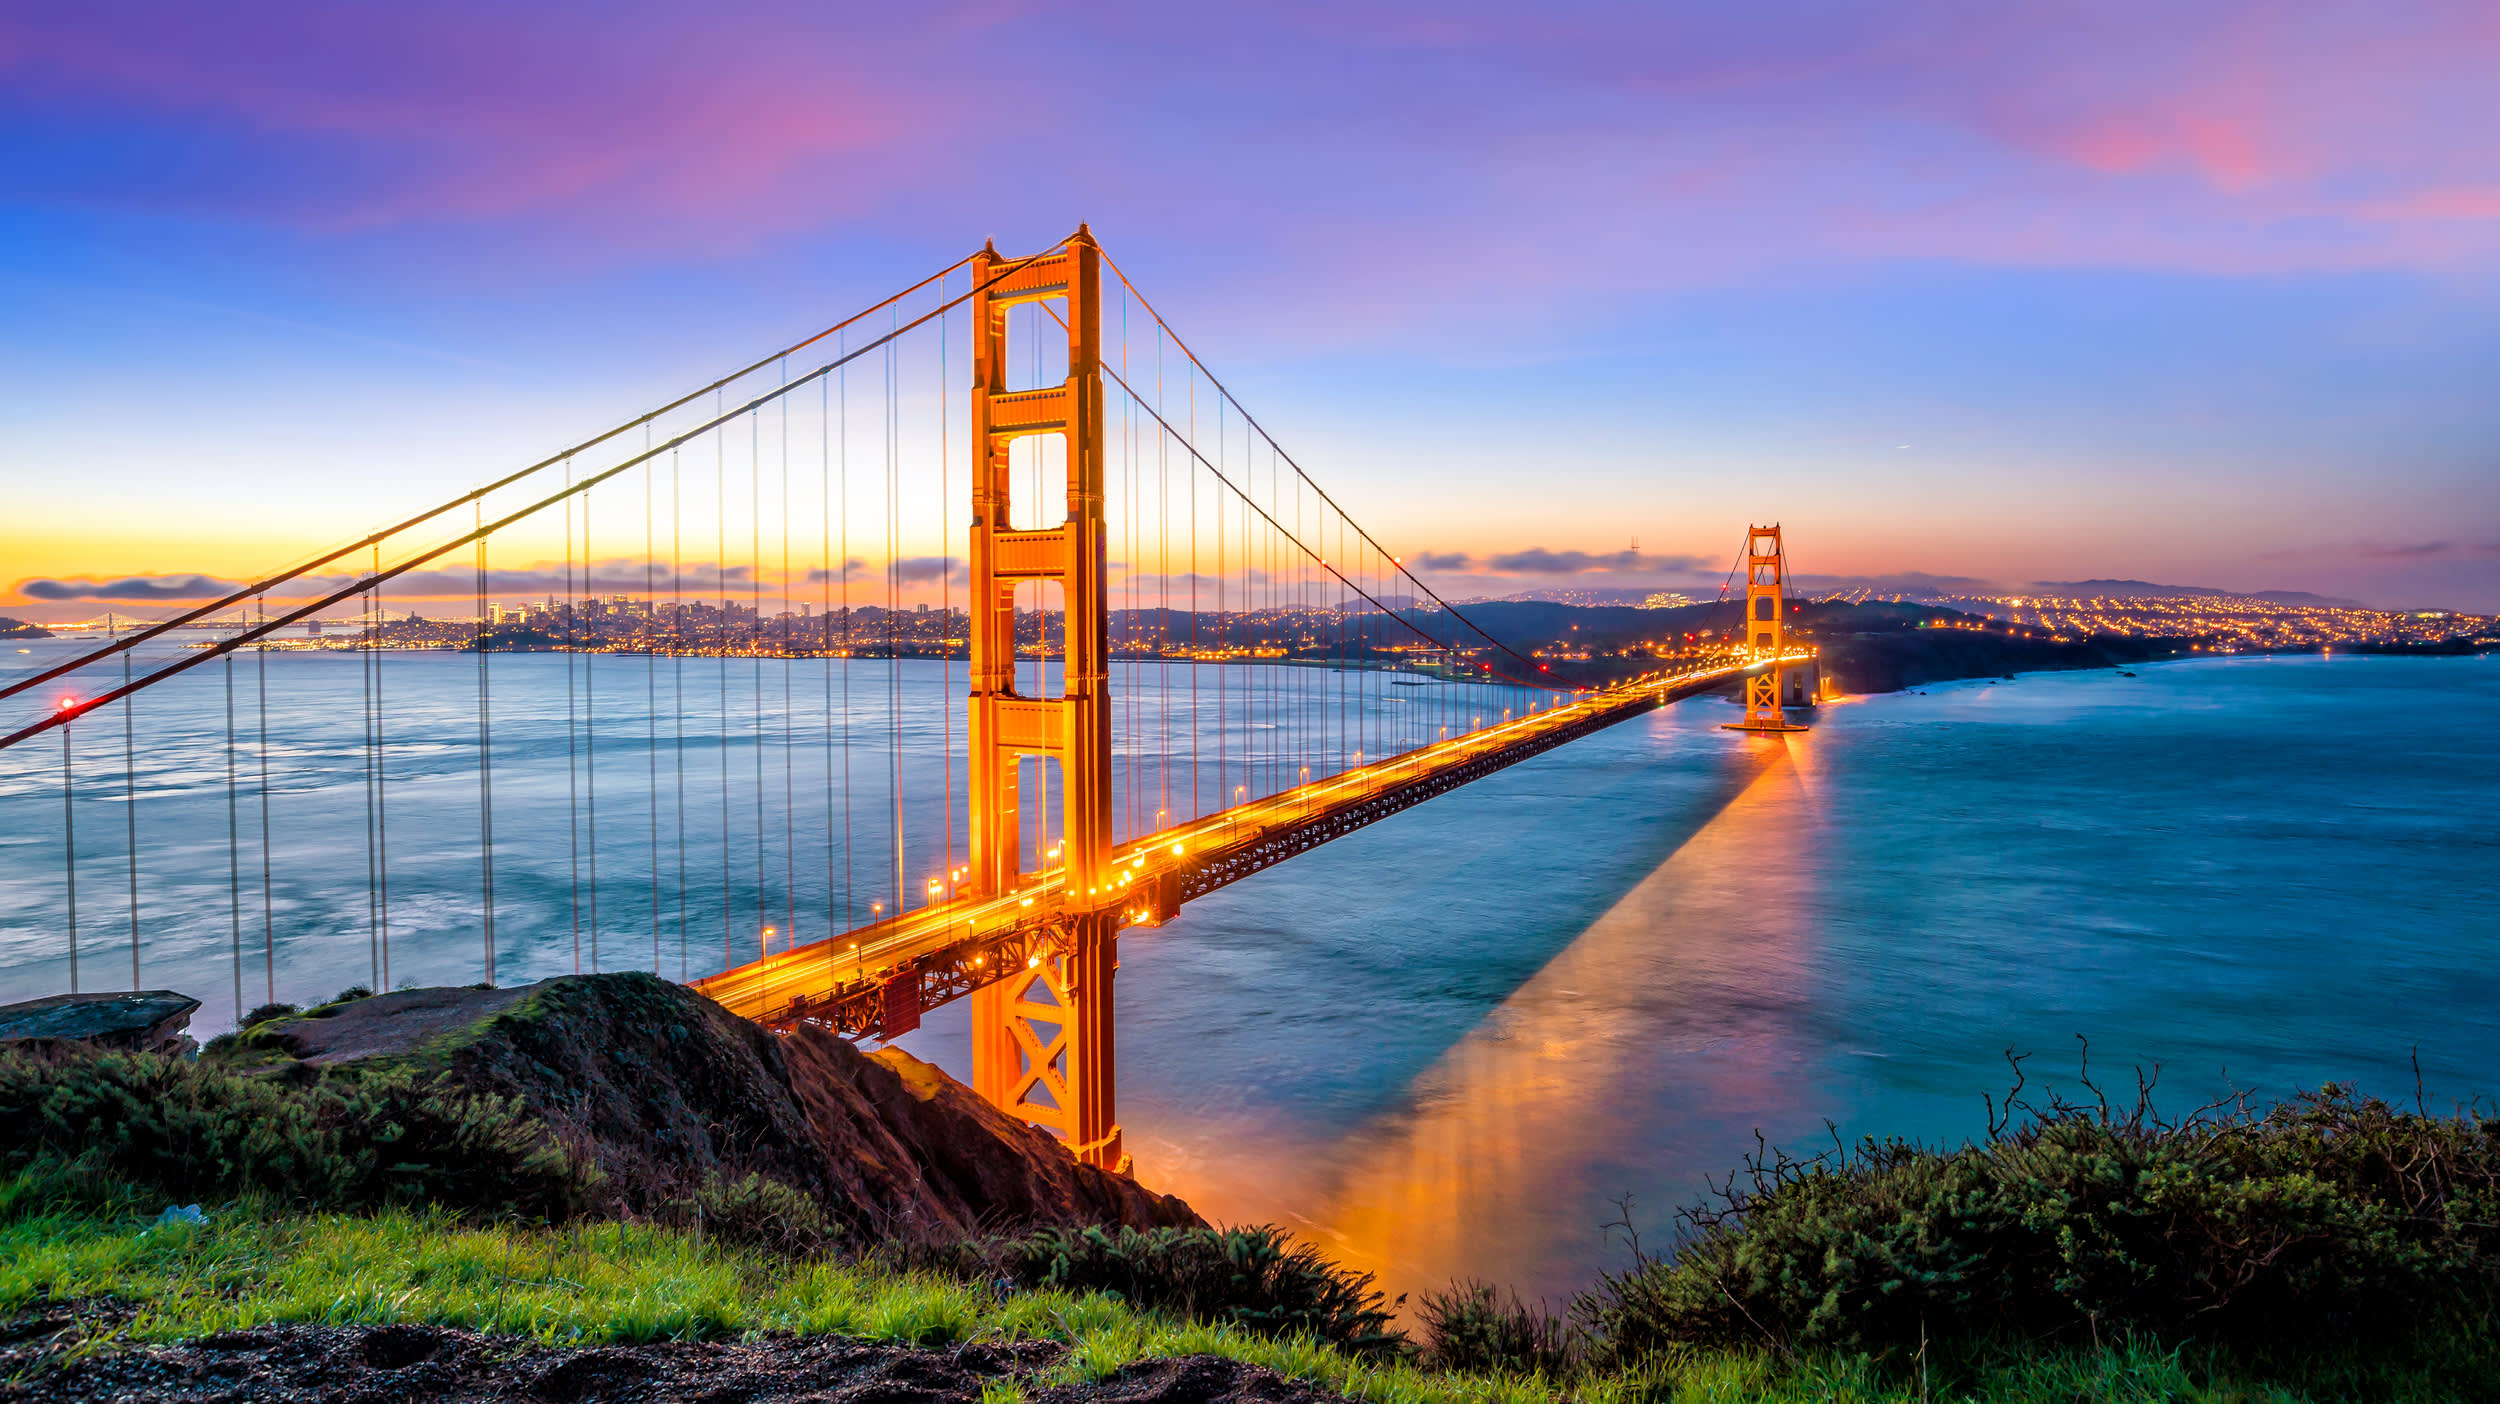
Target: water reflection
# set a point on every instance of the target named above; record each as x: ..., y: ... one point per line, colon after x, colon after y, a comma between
x: 1678, y: 1007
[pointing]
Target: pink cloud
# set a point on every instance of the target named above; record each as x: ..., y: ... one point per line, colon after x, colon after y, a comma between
x: 1542, y: 156
x: 378, y: 117
x: 2454, y: 202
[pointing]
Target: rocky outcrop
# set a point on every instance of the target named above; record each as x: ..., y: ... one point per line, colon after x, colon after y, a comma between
x: 147, y: 1021
x: 956, y: 1149
x: 663, y: 1090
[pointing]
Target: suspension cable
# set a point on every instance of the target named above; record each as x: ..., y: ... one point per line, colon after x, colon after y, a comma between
x: 1237, y: 490
x: 1366, y: 536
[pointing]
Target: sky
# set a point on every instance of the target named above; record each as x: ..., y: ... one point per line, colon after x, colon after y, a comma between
x: 1553, y: 295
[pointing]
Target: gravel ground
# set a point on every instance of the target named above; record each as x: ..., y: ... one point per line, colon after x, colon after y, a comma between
x: 66, y: 1353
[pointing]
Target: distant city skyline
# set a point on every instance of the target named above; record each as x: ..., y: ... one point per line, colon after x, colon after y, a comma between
x: 2001, y: 293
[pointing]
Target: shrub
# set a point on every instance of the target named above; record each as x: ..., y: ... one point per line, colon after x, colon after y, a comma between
x: 1256, y: 1278
x: 341, y: 1139
x: 263, y: 1013
x: 758, y: 1213
x: 2330, y: 1214
x: 1470, y: 1328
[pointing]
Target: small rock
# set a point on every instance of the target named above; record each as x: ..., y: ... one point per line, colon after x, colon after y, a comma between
x: 147, y: 1021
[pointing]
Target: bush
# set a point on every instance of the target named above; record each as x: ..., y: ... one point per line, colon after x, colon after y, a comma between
x: 1470, y: 1328
x: 757, y: 1212
x: 2331, y: 1215
x: 336, y: 1140
x: 1256, y: 1278
x: 263, y: 1013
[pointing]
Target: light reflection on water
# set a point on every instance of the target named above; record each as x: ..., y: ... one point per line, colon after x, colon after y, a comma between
x: 1447, y: 1045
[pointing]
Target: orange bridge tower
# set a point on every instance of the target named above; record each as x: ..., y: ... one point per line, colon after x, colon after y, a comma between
x: 1042, y: 1038
x: 1766, y: 628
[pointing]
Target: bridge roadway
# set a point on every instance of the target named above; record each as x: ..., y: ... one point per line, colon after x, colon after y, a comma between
x: 876, y: 981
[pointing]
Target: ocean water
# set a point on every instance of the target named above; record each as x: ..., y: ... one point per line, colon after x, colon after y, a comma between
x: 1465, y: 1041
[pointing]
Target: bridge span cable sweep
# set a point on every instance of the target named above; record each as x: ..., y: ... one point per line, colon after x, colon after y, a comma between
x: 1182, y: 661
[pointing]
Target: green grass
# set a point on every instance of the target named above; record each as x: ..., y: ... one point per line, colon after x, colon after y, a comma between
x: 620, y: 1282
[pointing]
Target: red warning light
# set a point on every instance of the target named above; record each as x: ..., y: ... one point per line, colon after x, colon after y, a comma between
x: 68, y: 702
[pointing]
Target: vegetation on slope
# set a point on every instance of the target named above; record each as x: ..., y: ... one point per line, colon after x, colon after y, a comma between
x: 344, y: 1139
x: 2330, y: 1216
x: 2330, y: 1247
x: 613, y: 1282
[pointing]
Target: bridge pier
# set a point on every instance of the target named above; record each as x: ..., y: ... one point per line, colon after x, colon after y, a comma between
x: 1042, y: 1041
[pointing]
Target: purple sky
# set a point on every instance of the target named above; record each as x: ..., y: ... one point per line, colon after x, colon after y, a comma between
x: 2205, y: 294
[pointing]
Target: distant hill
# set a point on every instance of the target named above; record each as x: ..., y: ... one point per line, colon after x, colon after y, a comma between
x: 2303, y: 597
x: 20, y: 629
x: 2133, y: 589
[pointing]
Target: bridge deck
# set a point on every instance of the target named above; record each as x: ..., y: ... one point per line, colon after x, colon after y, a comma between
x: 876, y: 980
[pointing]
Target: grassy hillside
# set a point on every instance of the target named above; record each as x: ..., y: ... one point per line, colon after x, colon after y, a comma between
x: 2329, y: 1247
x: 621, y: 1282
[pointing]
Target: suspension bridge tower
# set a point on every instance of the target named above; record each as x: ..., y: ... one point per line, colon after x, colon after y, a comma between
x: 1042, y: 1038
x: 1766, y: 629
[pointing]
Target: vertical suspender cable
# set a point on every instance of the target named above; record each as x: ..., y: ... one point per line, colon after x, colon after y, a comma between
x: 789, y: 751
x: 572, y: 724
x: 595, y: 610
x: 381, y: 783
x: 842, y: 567
x: 893, y: 606
x: 755, y: 593
x: 268, y: 907
x: 651, y: 689
x: 1041, y: 591
x: 823, y: 420
x: 720, y: 558
x: 485, y: 761
x: 130, y: 789
x: 69, y: 851
x: 946, y: 613
x: 1224, y: 632
x: 1196, y: 659
x: 677, y: 671
x: 234, y: 842
x: 1163, y: 581
x: 373, y: 881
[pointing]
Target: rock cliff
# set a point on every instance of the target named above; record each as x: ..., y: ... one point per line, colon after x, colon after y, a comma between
x: 663, y: 1089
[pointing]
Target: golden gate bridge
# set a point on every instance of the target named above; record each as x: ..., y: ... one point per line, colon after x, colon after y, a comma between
x: 1177, y: 654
